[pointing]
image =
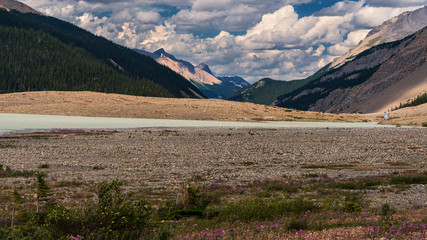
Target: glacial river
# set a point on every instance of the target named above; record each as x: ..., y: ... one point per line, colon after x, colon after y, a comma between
x: 28, y: 122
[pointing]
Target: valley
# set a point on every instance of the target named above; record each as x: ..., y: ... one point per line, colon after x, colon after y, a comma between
x: 97, y: 142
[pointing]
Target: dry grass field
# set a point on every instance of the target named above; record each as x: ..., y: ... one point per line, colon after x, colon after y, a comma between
x: 116, y: 105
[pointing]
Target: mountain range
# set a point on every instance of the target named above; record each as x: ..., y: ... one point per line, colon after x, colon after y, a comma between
x: 42, y: 53
x: 201, y: 75
x: 46, y: 54
x: 387, y: 68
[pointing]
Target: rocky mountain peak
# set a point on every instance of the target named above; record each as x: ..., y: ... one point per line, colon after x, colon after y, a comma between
x: 204, y: 67
x: 392, y: 30
x: 10, y: 5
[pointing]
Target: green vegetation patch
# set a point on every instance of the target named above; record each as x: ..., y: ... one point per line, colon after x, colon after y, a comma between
x: 409, y: 179
x: 44, y: 53
x: 6, y: 172
x: 3, y: 146
x: 418, y: 100
x: 260, y: 209
x: 398, y: 164
x: 356, y: 184
x: 327, y: 166
x: 275, y: 186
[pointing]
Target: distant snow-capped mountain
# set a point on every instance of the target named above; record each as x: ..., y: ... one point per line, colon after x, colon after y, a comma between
x: 201, y: 75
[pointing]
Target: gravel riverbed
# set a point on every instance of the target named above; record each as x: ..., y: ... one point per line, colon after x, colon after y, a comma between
x: 162, y: 159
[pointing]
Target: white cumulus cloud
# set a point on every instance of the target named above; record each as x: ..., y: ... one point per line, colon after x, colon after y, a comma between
x: 273, y: 40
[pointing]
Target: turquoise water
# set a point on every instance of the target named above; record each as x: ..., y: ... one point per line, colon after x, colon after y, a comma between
x: 20, y: 122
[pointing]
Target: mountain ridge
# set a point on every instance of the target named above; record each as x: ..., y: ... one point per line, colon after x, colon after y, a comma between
x: 10, y: 5
x: 356, y: 81
x: 200, y: 76
x: 120, y: 59
x: 267, y: 90
x: 357, y: 86
x: 391, y: 30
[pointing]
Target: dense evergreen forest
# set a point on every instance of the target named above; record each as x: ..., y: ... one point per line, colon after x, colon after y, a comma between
x: 34, y: 61
x: 44, y: 53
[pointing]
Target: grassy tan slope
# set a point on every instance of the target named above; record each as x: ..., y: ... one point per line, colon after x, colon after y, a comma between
x: 115, y: 105
x: 414, y: 116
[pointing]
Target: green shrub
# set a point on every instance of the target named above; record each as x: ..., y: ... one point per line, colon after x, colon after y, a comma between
x: 263, y: 194
x: 349, y: 206
x: 279, y: 186
x: 26, y: 232
x: 297, y: 224
x: 6, y: 171
x: 44, y: 166
x: 211, y: 212
x: 164, y: 233
x: 356, y: 184
x: 62, y: 221
x: 179, y: 214
x: 410, y: 179
x: 386, y: 209
x: 191, y: 202
x: 6, y: 146
x: 424, y: 124
x: 114, y: 216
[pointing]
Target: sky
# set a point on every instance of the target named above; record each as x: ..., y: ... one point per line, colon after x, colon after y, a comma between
x: 280, y: 39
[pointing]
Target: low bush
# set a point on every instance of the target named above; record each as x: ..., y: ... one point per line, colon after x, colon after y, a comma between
x: 280, y: 186
x: 44, y: 166
x: 190, y: 202
x: 386, y: 209
x: 357, y: 184
x: 409, y: 179
x: 297, y: 224
x: 113, y: 216
x: 6, y: 171
x: 349, y: 206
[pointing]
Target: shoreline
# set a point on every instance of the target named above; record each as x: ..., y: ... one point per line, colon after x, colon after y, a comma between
x: 36, y: 122
x: 93, y: 104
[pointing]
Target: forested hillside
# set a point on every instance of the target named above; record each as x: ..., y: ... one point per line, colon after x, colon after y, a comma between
x: 44, y: 53
x: 266, y: 90
x: 34, y: 61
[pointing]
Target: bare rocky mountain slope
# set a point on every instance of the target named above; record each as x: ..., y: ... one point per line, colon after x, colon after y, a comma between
x: 200, y: 76
x: 399, y: 79
x: 18, y: 6
x: 394, y: 29
x: 375, y: 80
